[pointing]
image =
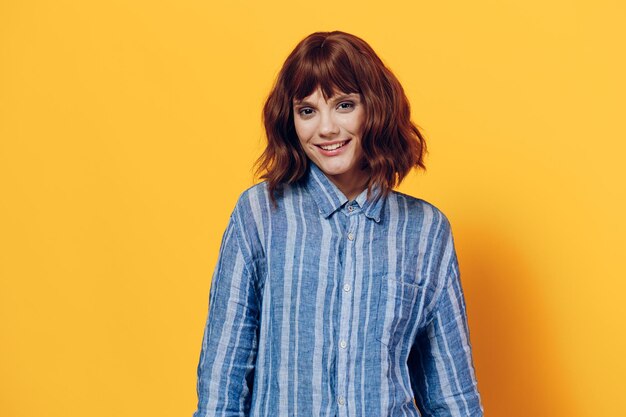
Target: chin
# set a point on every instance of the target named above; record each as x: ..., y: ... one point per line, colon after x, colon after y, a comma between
x: 334, y: 170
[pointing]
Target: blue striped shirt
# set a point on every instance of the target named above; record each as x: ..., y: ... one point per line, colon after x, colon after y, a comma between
x: 329, y: 307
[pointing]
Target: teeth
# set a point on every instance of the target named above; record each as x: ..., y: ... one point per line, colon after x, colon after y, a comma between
x: 333, y: 147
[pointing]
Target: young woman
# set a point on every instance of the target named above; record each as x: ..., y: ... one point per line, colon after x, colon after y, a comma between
x: 333, y: 294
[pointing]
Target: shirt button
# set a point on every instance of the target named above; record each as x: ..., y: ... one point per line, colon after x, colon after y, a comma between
x: 350, y: 236
x: 346, y: 287
x: 343, y: 344
x: 341, y: 400
x: 350, y: 208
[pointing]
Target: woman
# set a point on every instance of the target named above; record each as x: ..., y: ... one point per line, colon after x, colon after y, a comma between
x: 334, y: 294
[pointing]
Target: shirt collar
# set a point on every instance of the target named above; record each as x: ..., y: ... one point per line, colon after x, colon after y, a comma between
x: 330, y: 199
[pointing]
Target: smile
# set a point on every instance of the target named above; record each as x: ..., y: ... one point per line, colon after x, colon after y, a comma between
x: 333, y: 146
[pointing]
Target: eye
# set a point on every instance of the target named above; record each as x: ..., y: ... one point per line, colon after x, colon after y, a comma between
x: 345, y: 105
x: 305, y: 111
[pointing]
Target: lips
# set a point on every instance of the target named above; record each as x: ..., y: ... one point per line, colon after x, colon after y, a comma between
x: 332, y: 146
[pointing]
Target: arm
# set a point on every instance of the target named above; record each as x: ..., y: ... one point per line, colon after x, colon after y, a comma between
x: 440, y: 363
x: 226, y: 366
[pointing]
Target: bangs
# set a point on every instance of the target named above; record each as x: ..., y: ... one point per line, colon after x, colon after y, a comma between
x: 326, y: 68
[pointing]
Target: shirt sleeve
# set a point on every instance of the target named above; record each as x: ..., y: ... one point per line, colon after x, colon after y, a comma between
x: 229, y: 346
x: 440, y: 363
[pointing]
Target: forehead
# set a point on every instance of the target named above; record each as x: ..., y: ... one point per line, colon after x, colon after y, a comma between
x: 317, y: 95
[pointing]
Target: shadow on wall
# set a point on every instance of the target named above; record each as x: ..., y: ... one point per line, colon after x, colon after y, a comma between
x: 517, y: 364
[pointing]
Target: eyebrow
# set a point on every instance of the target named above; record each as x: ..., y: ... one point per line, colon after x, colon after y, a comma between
x: 333, y: 99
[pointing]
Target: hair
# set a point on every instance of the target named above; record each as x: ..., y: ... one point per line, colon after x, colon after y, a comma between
x: 340, y: 62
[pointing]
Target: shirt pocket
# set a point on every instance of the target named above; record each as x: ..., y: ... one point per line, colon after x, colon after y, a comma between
x: 398, y: 305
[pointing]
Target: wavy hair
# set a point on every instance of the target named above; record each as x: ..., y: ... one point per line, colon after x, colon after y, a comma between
x: 340, y: 62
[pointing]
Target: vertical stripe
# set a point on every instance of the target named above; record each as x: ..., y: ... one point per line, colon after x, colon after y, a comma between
x: 390, y: 305
x: 461, y: 320
x: 216, y: 374
x: 370, y: 290
x: 263, y: 360
x: 427, y: 222
x: 442, y: 371
x: 402, y: 248
x: 353, y: 344
x: 329, y: 342
x: 302, y: 244
x: 450, y: 294
x: 346, y: 303
x: 285, y: 333
x: 256, y: 212
x: 426, y: 217
x: 430, y: 247
x: 244, y: 383
x: 319, y: 323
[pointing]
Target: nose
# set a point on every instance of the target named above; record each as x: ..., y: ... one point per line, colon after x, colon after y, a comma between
x: 328, y: 125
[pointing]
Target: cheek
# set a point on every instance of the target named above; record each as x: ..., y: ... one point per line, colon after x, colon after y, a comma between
x: 303, y: 131
x: 302, y: 139
x: 298, y: 126
x: 357, y: 149
x: 357, y: 123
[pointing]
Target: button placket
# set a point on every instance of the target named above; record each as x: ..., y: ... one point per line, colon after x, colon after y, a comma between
x: 347, y: 308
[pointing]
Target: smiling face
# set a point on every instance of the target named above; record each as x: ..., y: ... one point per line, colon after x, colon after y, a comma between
x: 330, y: 134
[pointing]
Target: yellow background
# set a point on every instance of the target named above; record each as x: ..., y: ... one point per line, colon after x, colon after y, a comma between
x: 129, y: 128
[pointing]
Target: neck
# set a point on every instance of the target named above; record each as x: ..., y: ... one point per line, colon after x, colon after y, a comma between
x: 351, y: 185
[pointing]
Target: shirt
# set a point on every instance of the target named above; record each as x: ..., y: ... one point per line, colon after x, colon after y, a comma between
x: 329, y: 307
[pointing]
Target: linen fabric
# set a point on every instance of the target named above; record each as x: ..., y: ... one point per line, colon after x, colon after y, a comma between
x: 329, y: 307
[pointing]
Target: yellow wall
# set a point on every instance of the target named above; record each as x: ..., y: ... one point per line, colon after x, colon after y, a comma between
x: 128, y: 129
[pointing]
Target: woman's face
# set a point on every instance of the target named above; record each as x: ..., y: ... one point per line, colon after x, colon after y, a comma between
x: 330, y: 134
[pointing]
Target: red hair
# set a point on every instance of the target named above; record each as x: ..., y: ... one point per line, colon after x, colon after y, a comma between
x: 340, y: 62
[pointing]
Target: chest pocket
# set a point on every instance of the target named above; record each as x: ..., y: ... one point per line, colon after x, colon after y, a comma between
x: 399, y: 303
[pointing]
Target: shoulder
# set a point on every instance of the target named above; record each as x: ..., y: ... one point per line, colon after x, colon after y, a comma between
x: 256, y: 200
x: 253, y: 200
x: 417, y: 209
x: 255, y: 206
x: 260, y: 188
x: 425, y: 224
x: 250, y: 220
